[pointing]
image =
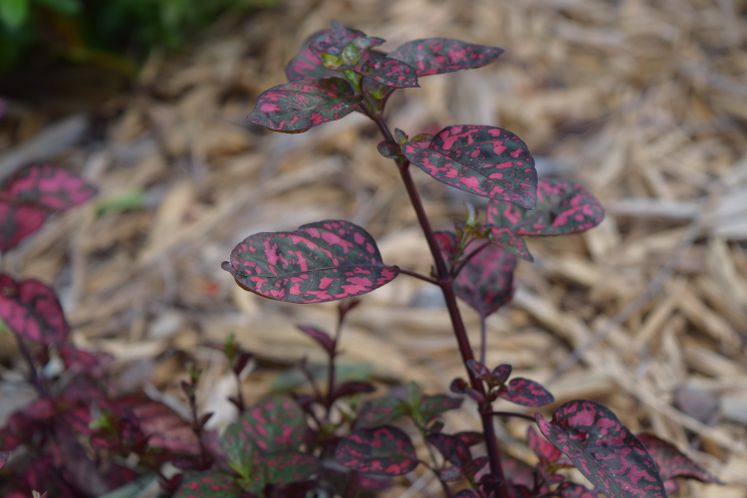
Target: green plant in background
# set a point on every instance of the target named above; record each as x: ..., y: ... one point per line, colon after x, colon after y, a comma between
x: 95, y: 31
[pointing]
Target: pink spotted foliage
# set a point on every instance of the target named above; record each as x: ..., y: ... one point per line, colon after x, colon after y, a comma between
x: 34, y: 193
x: 603, y: 449
x: 262, y: 448
x: 483, y: 160
x: 443, y: 55
x: 673, y: 463
x: 525, y: 392
x: 323, y: 261
x: 299, y: 105
x: 486, y: 281
x: 563, y: 207
x: 384, y: 450
x: 210, y: 484
x: 32, y: 311
x: 274, y: 425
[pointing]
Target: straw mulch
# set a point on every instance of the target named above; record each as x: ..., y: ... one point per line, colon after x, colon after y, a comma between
x: 643, y: 101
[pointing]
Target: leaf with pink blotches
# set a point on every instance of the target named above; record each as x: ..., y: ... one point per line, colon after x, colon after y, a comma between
x: 48, y: 186
x: 164, y: 429
x: 486, y: 281
x: 452, y: 448
x: 288, y: 467
x: 308, y: 63
x: 510, y: 241
x: 4, y: 455
x: 319, y: 262
x: 444, y: 55
x: 604, y: 450
x: 483, y: 160
x: 673, y: 463
x: 79, y: 360
x: 389, y: 72
x: 433, y: 406
x: 18, y: 222
x: 297, y: 106
x: 32, y: 311
x: 271, y: 426
x: 380, y: 411
x: 573, y: 490
x: 563, y: 207
x: 526, y: 392
x: 383, y: 450
x: 33, y: 193
x: 210, y: 484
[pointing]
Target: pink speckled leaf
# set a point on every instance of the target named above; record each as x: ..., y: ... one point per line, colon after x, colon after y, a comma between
x: 32, y: 311
x: 4, y: 455
x: 383, y: 450
x: 210, y: 484
x: 486, y: 282
x: 443, y: 55
x: 289, y: 467
x: 387, y: 71
x: 604, y: 450
x: 308, y: 63
x: 48, y: 186
x: 274, y: 425
x: 573, y: 490
x: 451, y: 447
x: 526, y: 392
x: 164, y: 429
x: 673, y: 463
x: 297, y: 106
x: 433, y: 406
x: 380, y: 411
x: 18, y: 221
x: 563, y: 207
x: 484, y: 160
x: 319, y: 262
x: 510, y: 241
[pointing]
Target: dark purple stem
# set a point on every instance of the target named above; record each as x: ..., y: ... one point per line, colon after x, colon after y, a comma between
x: 445, y: 282
x: 331, y: 374
x: 514, y: 415
x: 419, y: 276
x: 483, y: 340
x: 34, y: 378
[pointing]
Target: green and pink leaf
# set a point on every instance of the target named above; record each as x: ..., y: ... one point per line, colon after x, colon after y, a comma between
x: 32, y: 311
x: 483, y: 160
x: 673, y: 463
x: 383, y: 450
x: 563, y: 207
x: 526, y: 392
x: 319, y: 262
x: 444, y: 55
x: 299, y: 105
x: 603, y: 450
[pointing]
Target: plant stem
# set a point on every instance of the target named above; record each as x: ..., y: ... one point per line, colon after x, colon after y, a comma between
x: 445, y: 282
x: 514, y: 414
x: 483, y: 339
x: 331, y: 374
x: 419, y: 276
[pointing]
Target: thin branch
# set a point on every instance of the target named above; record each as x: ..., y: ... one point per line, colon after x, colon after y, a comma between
x: 419, y: 276
x: 514, y: 415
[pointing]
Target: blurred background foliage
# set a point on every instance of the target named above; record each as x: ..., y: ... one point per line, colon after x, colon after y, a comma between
x: 112, y: 34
